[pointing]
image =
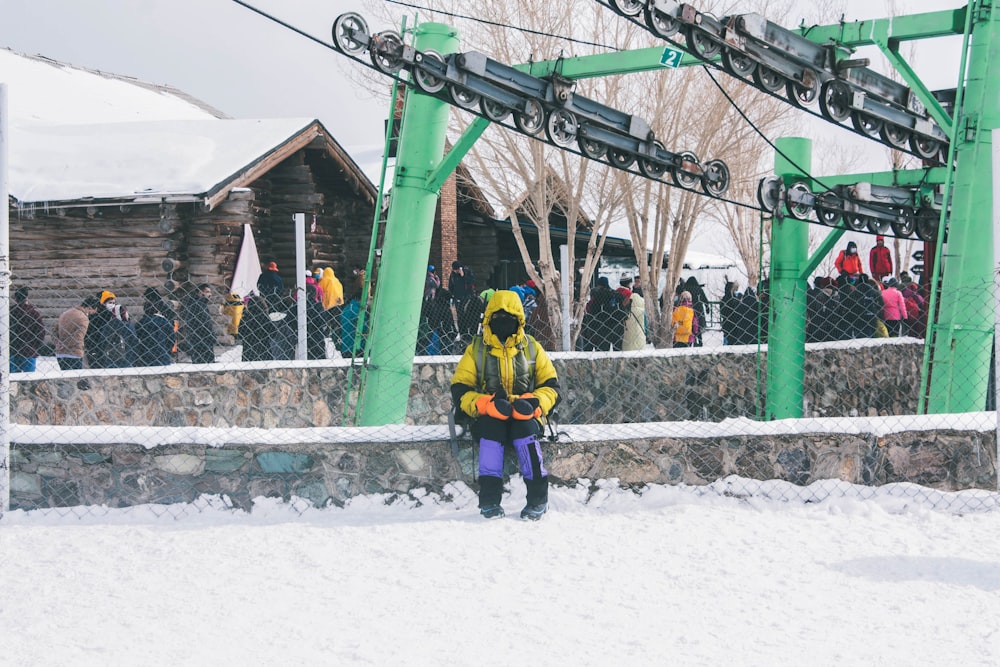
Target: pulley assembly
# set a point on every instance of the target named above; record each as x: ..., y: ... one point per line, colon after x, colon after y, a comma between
x: 547, y: 108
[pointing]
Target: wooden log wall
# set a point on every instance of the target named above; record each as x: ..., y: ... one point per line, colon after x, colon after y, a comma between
x: 64, y: 255
x: 214, y: 239
x: 338, y: 220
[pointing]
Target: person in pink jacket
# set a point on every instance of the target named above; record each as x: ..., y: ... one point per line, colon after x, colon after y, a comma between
x: 893, y: 307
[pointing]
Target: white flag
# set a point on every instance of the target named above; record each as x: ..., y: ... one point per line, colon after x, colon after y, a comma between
x: 247, y: 266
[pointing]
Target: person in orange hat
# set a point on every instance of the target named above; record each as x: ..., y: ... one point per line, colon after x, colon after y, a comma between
x: 880, y: 260
x: 270, y: 283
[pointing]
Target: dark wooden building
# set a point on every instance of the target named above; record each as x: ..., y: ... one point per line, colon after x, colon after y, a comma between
x: 67, y: 249
x: 97, y: 203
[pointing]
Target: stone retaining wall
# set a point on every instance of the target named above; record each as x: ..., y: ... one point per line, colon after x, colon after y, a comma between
x: 705, y: 384
x: 655, y: 388
x: 127, y: 474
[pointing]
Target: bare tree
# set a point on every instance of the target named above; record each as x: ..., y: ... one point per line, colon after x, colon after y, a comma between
x: 687, y: 111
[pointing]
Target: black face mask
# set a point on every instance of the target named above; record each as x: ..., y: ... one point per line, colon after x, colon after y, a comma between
x: 503, y: 325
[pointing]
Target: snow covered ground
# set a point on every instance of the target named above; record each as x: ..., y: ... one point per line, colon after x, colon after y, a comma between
x: 672, y: 576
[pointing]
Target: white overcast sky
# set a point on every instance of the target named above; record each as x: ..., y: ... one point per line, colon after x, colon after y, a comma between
x: 247, y: 66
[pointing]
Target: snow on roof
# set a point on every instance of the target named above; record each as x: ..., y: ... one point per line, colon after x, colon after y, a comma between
x: 50, y: 163
x: 47, y: 91
x: 78, y: 134
x: 695, y: 260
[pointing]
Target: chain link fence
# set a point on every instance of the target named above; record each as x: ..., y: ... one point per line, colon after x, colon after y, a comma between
x: 191, y: 399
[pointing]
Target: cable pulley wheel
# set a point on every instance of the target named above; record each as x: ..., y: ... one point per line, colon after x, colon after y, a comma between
x: 866, y: 124
x: 798, y: 209
x: 770, y: 80
x: 627, y: 7
x: 652, y: 168
x: 662, y: 24
x: 591, y: 148
x: 425, y: 81
x: 561, y: 128
x: 682, y: 174
x: 715, y: 181
x: 855, y: 222
x: 895, y: 136
x: 738, y: 64
x: 925, y: 147
x: 828, y: 209
x: 835, y: 101
x: 906, y: 224
x: 620, y: 159
x: 463, y: 97
x: 700, y: 45
x: 495, y: 111
x: 878, y: 225
x: 927, y: 228
x: 386, y: 51
x: 532, y: 119
x: 800, y: 94
x: 350, y: 34
x: 769, y: 193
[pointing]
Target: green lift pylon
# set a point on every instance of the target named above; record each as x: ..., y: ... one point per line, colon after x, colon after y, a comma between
x: 962, y: 338
x: 789, y: 254
x: 964, y: 329
x: 408, y: 230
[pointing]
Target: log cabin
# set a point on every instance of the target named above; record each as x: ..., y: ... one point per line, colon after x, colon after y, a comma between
x: 135, y: 185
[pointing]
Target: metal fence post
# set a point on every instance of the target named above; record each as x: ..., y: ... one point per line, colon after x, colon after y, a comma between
x: 4, y: 310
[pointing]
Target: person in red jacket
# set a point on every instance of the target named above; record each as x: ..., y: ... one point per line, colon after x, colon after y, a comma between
x: 848, y: 263
x: 880, y: 260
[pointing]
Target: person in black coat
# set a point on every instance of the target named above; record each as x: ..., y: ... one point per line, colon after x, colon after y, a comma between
x: 727, y: 311
x: 316, y: 321
x: 854, y: 309
x: 256, y: 329
x: 199, y: 335
x: 284, y: 323
x: 110, y: 341
x: 27, y: 333
x: 604, y: 321
x: 155, y: 333
x: 270, y: 283
x: 441, y: 321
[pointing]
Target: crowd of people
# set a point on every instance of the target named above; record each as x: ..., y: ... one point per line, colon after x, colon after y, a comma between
x: 614, y: 319
x: 450, y: 316
x: 268, y: 324
x: 852, y: 304
x: 100, y: 332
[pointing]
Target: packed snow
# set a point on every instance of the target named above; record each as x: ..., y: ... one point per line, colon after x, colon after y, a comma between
x: 670, y: 575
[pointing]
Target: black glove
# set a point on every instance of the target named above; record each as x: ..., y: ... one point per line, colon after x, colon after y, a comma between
x: 526, y: 408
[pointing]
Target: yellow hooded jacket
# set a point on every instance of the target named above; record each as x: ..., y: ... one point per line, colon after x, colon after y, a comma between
x: 234, y: 309
x: 466, y: 385
x: 333, y: 290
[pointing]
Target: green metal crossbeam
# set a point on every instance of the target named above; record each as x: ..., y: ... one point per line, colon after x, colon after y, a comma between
x: 853, y: 34
x: 904, y: 178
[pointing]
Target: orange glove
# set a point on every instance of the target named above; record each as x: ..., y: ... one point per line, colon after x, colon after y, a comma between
x: 526, y: 407
x: 491, y: 406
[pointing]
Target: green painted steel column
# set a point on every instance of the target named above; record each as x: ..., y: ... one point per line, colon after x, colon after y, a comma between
x: 409, y: 227
x: 787, y: 324
x: 960, y: 355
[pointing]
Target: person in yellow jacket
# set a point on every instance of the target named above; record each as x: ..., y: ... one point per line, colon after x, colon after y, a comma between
x: 333, y: 291
x: 233, y: 309
x: 683, y: 321
x: 506, y: 383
